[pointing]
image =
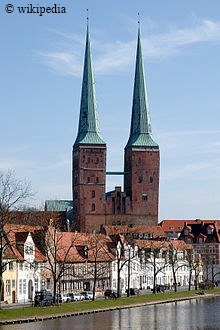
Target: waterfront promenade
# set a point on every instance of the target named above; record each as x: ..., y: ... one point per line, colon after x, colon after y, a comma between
x: 116, y: 306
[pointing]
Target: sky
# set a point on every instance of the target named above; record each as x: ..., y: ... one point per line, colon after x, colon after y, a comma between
x: 40, y: 86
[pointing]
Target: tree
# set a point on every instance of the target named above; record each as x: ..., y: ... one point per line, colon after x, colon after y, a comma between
x: 153, y: 253
x: 99, y: 258
x: 57, y: 247
x: 193, y: 262
x: 13, y: 192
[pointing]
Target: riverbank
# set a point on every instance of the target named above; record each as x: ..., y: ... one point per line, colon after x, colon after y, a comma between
x: 34, y: 314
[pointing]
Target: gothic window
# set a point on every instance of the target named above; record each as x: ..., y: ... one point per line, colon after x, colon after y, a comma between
x: 151, y: 179
x: 93, y: 207
x: 140, y: 179
x: 97, y: 179
x: 93, y: 193
x: 88, y: 179
x: 144, y: 197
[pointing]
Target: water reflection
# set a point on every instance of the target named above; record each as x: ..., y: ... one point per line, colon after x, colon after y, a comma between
x: 197, y: 314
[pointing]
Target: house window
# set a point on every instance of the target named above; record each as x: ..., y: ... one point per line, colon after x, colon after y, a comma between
x: 13, y: 283
x: 43, y: 284
x: 48, y: 283
x: 8, y: 287
x: 97, y: 179
x: 64, y: 286
x: 20, y: 265
x: 29, y: 249
x: 93, y: 193
x: 93, y: 207
x: 36, y: 284
x: 24, y: 286
x: 11, y: 265
x: 88, y: 179
x: 151, y: 179
x: 20, y: 286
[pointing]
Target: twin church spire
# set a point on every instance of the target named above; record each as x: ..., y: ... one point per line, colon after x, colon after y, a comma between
x: 89, y: 131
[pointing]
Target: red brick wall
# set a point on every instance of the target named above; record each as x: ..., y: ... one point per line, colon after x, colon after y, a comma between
x: 89, y: 166
x: 142, y: 183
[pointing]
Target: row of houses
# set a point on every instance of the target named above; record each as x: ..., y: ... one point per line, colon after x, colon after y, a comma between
x: 119, y: 257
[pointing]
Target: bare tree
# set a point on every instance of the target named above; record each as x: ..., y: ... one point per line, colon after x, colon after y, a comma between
x: 57, y: 248
x: 193, y: 262
x: 154, y: 256
x: 99, y: 258
x: 13, y: 192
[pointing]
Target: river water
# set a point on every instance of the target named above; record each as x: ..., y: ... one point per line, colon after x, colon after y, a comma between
x: 199, y: 314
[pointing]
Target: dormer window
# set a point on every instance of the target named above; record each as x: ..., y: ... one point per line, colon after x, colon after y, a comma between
x: 29, y: 249
x: 188, y: 240
x: 209, y: 230
x: 200, y: 240
x: 186, y: 232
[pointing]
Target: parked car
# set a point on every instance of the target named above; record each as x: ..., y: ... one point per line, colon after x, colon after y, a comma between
x: 76, y: 296
x: 110, y: 294
x: 58, y: 298
x: 63, y: 297
x: 88, y: 295
x: 43, y: 298
x: 133, y: 291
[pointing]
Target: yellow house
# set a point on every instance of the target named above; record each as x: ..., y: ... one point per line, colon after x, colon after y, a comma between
x: 9, y: 277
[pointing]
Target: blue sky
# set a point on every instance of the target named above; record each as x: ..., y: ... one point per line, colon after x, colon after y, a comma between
x: 41, y: 76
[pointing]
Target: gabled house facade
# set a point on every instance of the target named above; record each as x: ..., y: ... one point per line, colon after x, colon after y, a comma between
x: 205, y: 238
x: 22, y: 275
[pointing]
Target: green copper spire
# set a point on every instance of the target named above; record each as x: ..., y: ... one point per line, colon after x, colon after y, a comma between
x: 88, y: 130
x: 140, y: 132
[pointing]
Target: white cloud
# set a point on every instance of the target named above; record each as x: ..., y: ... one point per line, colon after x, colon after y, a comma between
x: 119, y: 55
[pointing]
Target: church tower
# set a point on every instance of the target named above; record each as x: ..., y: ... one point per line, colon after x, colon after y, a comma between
x: 89, y: 156
x: 141, y: 156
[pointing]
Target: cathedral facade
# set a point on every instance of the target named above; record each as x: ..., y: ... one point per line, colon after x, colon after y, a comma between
x: 137, y: 202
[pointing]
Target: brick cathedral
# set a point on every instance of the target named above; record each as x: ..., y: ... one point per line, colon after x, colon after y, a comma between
x: 137, y: 203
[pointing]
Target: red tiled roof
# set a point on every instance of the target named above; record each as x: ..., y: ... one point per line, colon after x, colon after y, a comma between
x: 114, y: 230
x: 17, y: 235
x: 147, y: 244
x: 37, y: 218
x: 71, y: 245
x: 174, y: 225
x: 181, y: 245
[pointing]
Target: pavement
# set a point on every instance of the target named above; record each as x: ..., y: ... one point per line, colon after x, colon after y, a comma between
x: 27, y: 304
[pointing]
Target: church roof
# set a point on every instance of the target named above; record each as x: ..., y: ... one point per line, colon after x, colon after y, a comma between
x: 140, y: 131
x: 88, y: 129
